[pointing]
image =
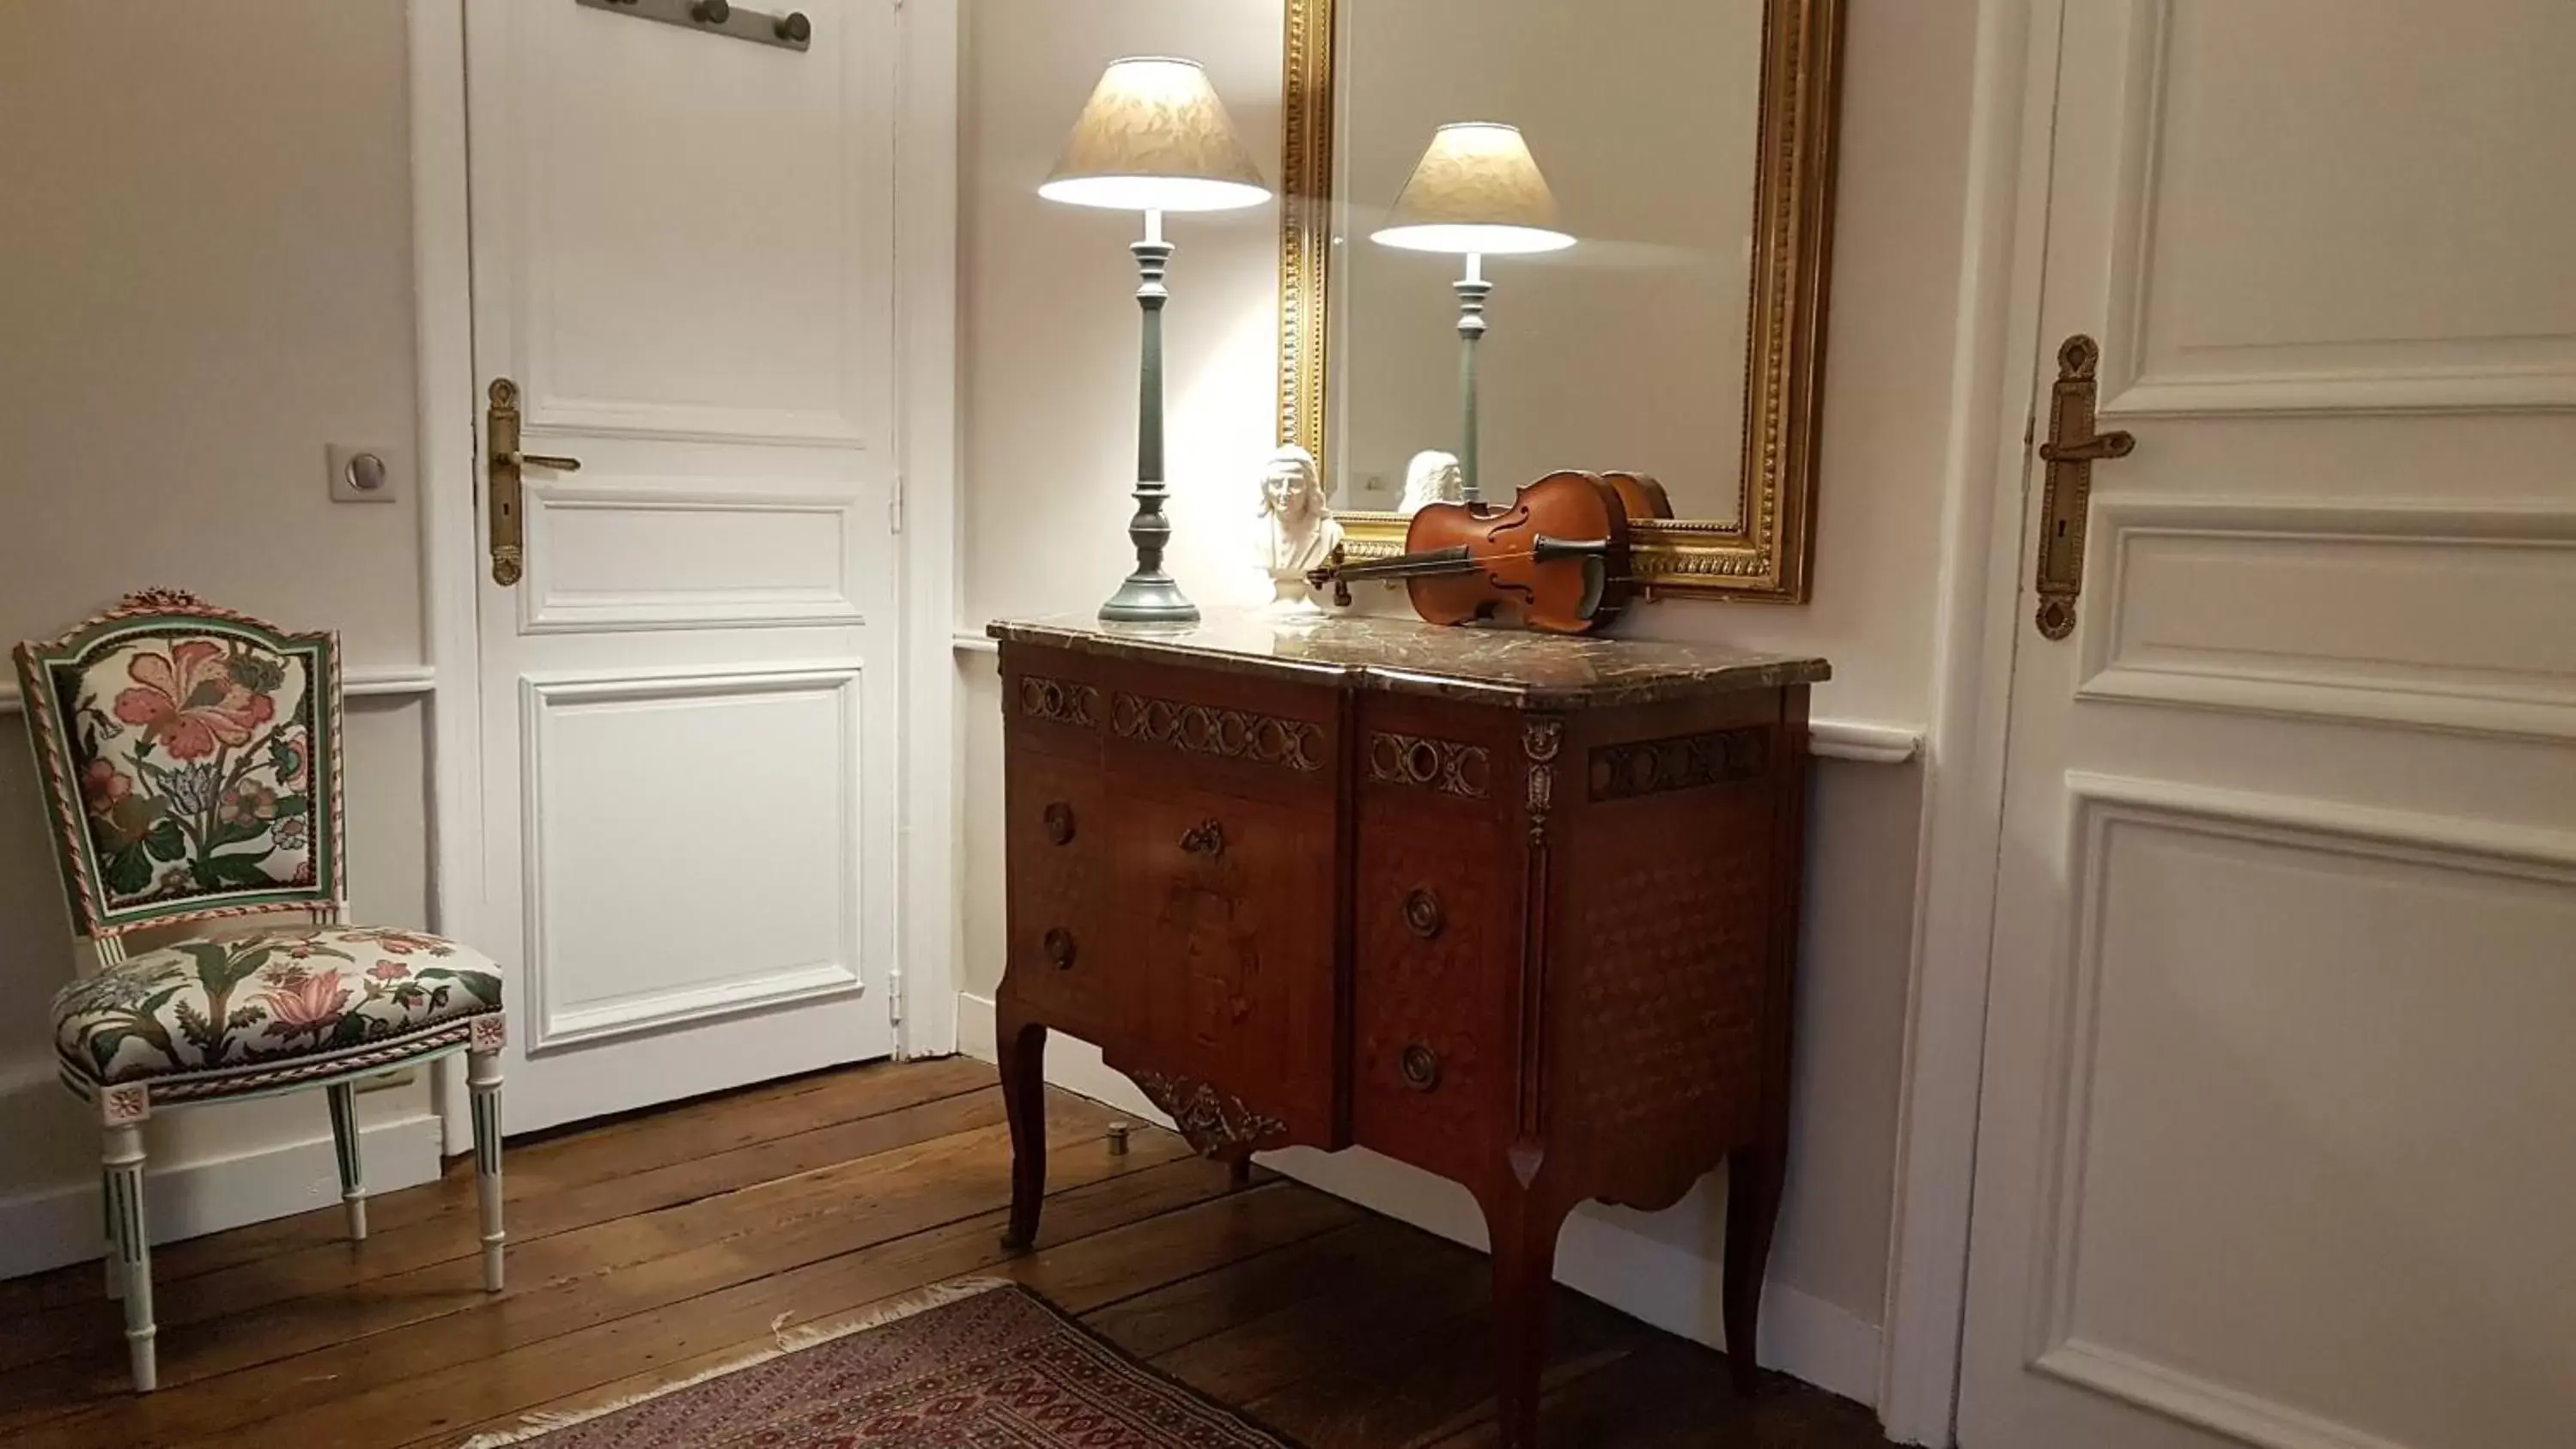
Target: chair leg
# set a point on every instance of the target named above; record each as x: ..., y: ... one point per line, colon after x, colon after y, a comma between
x: 483, y: 1087
x: 109, y: 1256
x: 344, y: 1142
x: 122, y: 1163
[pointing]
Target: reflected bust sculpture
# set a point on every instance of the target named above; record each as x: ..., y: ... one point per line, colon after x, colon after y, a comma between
x: 1432, y: 477
x: 1302, y: 531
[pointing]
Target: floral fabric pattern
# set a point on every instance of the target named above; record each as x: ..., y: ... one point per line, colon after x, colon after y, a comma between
x: 266, y: 997
x: 194, y: 755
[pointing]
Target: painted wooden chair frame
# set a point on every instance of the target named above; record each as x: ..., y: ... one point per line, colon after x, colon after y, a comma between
x: 226, y: 805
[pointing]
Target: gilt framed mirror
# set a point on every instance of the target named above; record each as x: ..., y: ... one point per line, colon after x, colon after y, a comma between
x: 1686, y: 149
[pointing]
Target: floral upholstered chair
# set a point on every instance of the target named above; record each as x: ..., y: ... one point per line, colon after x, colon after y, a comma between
x: 190, y: 759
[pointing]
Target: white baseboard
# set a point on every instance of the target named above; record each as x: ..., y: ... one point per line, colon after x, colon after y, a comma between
x: 1659, y: 1282
x: 52, y: 1226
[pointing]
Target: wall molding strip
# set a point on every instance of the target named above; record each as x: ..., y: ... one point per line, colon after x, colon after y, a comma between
x: 364, y: 682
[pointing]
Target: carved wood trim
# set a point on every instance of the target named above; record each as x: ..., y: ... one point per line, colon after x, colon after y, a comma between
x: 1679, y: 762
x: 1234, y: 734
x: 1060, y: 702
x: 1431, y: 764
x: 1210, y: 1121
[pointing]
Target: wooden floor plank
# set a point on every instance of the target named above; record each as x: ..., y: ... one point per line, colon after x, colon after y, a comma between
x: 567, y: 1282
x: 34, y: 1309
x: 656, y: 1246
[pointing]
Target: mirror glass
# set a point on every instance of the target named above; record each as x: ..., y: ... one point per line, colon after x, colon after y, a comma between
x: 1625, y: 350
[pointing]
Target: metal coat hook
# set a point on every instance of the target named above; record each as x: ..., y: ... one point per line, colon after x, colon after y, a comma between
x: 791, y: 31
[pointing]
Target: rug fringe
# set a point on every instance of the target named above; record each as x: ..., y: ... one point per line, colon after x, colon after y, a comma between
x: 788, y: 1340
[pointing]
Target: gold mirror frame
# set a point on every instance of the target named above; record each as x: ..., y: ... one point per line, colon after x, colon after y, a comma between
x: 1768, y: 553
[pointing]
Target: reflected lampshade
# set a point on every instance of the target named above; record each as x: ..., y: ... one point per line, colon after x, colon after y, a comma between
x: 1154, y: 137
x: 1477, y: 189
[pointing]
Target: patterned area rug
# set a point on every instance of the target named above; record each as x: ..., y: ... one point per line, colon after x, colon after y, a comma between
x: 975, y: 1365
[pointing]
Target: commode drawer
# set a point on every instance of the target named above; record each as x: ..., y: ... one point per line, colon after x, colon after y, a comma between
x: 1437, y: 929
x: 1229, y: 900
x: 1057, y: 838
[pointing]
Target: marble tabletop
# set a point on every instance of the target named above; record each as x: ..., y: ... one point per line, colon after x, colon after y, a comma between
x: 1406, y: 656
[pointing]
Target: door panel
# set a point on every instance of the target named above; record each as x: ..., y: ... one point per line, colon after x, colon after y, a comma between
x: 2272, y: 1139
x: 682, y: 256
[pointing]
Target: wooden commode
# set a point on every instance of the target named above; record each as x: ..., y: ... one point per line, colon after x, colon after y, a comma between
x: 1518, y: 910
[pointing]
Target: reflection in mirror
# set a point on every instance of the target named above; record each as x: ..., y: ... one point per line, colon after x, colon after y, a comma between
x: 1625, y: 350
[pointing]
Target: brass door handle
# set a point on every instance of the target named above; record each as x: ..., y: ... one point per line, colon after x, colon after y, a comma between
x: 501, y: 484
x: 1206, y: 838
x: 556, y: 462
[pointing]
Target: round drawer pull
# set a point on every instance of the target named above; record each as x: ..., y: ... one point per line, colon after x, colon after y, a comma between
x: 1059, y: 823
x: 1059, y: 948
x: 1420, y: 1067
x: 1422, y: 912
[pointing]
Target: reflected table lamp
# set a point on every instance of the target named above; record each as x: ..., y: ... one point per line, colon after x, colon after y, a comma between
x: 1477, y: 192
x: 1154, y: 138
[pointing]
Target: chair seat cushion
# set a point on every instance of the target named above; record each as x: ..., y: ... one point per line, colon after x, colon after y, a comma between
x: 237, y: 1009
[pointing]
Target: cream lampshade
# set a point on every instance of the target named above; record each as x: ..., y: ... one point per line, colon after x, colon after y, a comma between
x: 1155, y: 138
x: 1477, y: 189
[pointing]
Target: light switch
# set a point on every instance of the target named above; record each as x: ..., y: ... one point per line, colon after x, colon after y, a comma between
x: 365, y: 474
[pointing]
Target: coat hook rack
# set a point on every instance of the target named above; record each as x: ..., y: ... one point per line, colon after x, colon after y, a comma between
x: 791, y: 31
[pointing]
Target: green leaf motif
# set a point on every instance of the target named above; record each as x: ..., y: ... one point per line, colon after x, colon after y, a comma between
x: 214, y: 871
x: 292, y: 805
x: 234, y: 832
x: 103, y: 1045
x: 129, y: 870
x: 165, y: 840
x: 481, y: 985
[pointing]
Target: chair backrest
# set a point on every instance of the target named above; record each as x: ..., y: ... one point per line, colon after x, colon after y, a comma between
x: 190, y: 759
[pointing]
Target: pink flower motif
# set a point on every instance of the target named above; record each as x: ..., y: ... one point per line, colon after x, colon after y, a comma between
x: 102, y: 786
x: 247, y: 804
x: 389, y: 971
x: 188, y: 700
x: 311, y: 1004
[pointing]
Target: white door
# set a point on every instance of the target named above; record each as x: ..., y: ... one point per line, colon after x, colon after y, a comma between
x: 2278, y: 1139
x: 682, y: 260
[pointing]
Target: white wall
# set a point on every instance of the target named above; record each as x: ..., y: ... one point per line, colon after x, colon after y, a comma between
x: 1049, y: 438
x: 207, y: 278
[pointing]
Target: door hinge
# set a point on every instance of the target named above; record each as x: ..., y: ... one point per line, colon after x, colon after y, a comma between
x: 2073, y: 447
x: 894, y: 507
x: 894, y: 995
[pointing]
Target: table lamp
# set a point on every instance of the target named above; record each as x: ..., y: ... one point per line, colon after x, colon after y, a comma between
x: 1476, y: 192
x: 1154, y: 138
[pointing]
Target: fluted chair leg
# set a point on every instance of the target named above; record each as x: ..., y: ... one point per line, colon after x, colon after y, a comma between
x: 109, y: 1256
x: 483, y: 1087
x: 122, y: 1164
x: 344, y: 1142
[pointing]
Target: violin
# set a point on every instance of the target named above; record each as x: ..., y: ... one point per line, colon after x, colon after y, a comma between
x: 1555, y: 558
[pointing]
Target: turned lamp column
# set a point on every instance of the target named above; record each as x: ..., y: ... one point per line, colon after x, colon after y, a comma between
x: 1477, y: 192
x: 1472, y: 290
x: 1153, y: 138
x: 1149, y: 595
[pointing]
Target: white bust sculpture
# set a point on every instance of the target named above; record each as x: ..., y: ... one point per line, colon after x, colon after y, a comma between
x: 1302, y: 531
x: 1432, y: 477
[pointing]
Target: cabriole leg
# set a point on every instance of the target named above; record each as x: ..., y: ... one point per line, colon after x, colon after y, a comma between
x: 1022, y: 1043
x: 122, y: 1176
x: 483, y: 1088
x: 344, y: 1143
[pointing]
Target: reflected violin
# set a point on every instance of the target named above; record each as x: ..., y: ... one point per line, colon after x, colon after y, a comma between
x: 1554, y: 558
